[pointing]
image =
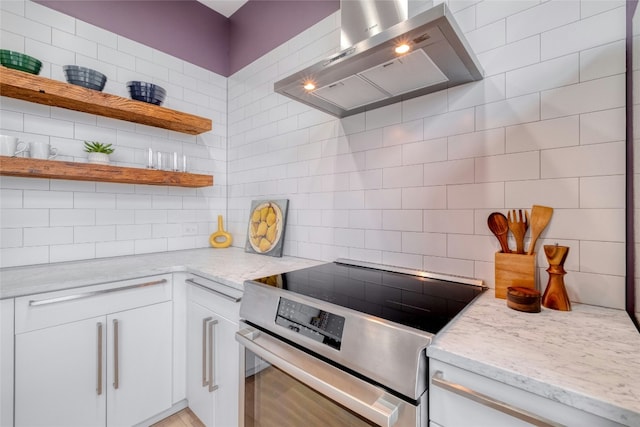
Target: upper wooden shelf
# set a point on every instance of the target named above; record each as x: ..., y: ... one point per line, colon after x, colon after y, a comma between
x: 35, y: 168
x: 29, y: 87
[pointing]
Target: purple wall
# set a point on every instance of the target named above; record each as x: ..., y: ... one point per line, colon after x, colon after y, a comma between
x: 191, y: 31
x: 185, y: 29
x: 262, y: 25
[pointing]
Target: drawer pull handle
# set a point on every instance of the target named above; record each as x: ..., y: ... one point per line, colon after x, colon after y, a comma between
x: 211, y: 324
x: 116, y: 353
x: 206, y: 288
x: 439, y: 381
x: 35, y: 303
x: 99, y: 370
x: 204, y: 350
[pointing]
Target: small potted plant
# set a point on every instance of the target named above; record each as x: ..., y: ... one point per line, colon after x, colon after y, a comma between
x: 98, y: 152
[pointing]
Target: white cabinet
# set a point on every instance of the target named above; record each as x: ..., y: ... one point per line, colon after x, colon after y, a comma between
x: 212, y: 352
x: 459, y: 398
x: 95, y: 356
x: 6, y: 362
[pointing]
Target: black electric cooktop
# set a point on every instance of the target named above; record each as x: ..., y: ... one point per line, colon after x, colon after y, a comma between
x: 423, y: 303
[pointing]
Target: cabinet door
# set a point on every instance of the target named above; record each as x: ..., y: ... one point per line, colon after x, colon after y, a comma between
x: 138, y: 364
x: 6, y: 362
x: 198, y: 395
x: 213, y: 358
x: 59, y: 375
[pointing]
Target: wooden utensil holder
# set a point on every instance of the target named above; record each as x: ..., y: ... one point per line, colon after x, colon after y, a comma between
x: 514, y: 270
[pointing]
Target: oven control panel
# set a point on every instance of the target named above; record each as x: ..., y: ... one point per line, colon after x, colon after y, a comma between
x: 319, y: 325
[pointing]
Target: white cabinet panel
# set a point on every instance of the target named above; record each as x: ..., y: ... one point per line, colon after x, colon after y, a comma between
x: 143, y: 358
x: 60, y: 373
x: 6, y: 362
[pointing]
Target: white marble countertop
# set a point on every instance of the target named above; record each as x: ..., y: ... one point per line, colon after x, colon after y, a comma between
x: 587, y: 358
x: 230, y: 266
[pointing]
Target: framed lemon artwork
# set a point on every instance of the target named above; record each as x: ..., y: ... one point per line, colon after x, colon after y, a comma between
x: 267, y: 219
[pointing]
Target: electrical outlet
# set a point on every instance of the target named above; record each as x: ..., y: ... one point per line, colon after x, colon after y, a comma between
x: 189, y: 229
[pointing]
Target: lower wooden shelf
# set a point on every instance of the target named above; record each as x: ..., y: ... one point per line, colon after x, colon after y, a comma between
x: 35, y: 168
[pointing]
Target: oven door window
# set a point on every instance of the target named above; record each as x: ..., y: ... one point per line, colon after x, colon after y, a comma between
x: 273, y: 398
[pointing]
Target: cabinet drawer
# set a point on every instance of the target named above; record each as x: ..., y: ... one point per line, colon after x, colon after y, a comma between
x: 481, y: 401
x: 55, y: 308
x: 222, y: 299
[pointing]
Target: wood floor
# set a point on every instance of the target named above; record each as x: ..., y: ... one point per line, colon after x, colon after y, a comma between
x: 184, y: 418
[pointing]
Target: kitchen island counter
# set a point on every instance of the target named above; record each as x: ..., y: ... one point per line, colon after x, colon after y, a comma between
x: 587, y: 358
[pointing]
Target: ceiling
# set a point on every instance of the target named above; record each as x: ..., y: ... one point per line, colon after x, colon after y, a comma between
x: 224, y: 7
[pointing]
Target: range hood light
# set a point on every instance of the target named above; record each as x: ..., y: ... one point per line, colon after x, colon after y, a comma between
x: 402, y: 48
x: 309, y: 86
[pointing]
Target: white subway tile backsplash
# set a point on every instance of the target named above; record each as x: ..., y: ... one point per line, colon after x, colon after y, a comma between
x: 433, y: 150
x: 603, y: 126
x: 13, y: 257
x: 11, y: 199
x: 602, y: 192
x: 585, y: 160
x: 16, y: 218
x: 71, y: 217
x: 383, y: 240
x: 11, y: 238
x: 602, y: 258
x: 83, y: 200
x: 12, y: 121
x: 69, y: 41
x: 593, y: 95
x: 384, y: 116
x: 433, y: 244
x: 543, y: 17
x: 511, y: 56
x: 512, y: 111
x: 544, y: 134
x: 383, y: 157
x: 557, y: 193
x: 47, y: 199
x: 26, y: 27
x: 487, y: 37
x: 424, y: 106
x: 45, y: 126
x: 450, y: 172
x: 492, y: 10
x: 477, y: 93
x: 75, y: 252
x: 111, y: 249
x: 447, y: 124
x: 485, y: 143
x: 101, y: 233
x: 598, y: 289
x: 402, y: 133
x: 46, y: 236
x: 402, y: 176
x: 402, y: 220
x: 603, y: 61
x: 605, y: 225
x: 508, y: 167
x: 114, y: 216
x: 550, y: 74
x: 475, y: 196
x: 584, y: 34
x: 448, y: 221
x: 433, y: 197
x: 383, y: 199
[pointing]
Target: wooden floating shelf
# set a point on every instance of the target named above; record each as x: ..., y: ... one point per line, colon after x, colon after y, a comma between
x: 29, y: 87
x: 35, y: 168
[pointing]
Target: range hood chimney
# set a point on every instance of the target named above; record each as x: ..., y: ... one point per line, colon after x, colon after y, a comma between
x: 368, y: 73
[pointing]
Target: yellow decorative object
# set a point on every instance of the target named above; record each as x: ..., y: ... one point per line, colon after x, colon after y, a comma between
x: 220, y: 239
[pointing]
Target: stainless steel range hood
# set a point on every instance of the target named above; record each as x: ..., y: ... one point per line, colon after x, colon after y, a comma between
x: 370, y: 74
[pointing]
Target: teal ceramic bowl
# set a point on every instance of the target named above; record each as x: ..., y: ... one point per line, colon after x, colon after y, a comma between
x: 20, y: 61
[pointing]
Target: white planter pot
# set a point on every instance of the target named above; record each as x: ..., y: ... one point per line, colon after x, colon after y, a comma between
x: 99, y: 158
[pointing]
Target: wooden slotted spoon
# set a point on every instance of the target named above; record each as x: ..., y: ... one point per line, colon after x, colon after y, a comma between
x: 540, y: 217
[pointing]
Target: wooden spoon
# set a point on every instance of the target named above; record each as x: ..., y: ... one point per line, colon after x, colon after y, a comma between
x: 499, y: 226
x: 540, y: 217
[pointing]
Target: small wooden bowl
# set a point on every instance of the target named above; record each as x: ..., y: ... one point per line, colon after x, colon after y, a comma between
x: 523, y: 299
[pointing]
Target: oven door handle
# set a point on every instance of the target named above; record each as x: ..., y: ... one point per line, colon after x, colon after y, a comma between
x: 364, y: 399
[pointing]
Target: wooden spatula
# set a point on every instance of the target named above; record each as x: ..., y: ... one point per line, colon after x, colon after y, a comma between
x: 540, y: 217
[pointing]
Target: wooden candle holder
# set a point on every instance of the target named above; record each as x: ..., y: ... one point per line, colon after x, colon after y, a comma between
x: 514, y: 270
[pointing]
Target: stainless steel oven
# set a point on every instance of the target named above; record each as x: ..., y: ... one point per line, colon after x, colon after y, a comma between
x: 342, y: 344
